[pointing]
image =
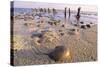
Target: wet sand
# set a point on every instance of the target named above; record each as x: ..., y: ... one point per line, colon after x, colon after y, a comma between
x: 83, y: 46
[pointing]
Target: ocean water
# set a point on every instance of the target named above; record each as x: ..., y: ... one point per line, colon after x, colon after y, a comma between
x: 86, y: 17
x: 21, y: 10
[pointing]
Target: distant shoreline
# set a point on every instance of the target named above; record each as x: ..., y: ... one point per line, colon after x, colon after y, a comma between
x: 29, y: 4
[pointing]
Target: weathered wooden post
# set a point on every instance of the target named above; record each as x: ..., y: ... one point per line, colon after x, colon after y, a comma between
x: 44, y: 10
x: 78, y: 16
x: 40, y: 9
x: 65, y: 14
x: 49, y: 10
x: 36, y: 10
x: 69, y: 12
x: 33, y: 12
x: 54, y: 11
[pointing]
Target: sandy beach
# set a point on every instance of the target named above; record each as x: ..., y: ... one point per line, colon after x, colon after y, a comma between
x: 37, y: 34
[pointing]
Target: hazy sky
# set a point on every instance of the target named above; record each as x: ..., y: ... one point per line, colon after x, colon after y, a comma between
x: 28, y: 4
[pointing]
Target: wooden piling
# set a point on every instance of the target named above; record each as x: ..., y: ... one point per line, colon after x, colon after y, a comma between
x: 78, y: 16
x: 69, y: 12
x: 65, y: 14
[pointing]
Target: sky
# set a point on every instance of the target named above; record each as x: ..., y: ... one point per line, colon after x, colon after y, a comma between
x: 29, y: 4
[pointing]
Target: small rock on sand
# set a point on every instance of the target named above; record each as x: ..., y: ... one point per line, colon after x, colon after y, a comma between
x: 60, y: 53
